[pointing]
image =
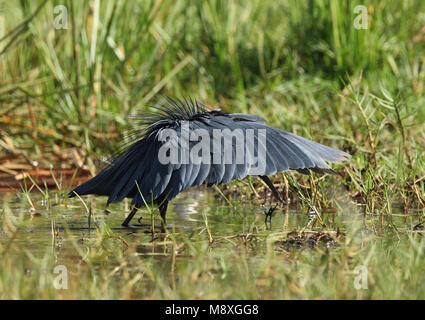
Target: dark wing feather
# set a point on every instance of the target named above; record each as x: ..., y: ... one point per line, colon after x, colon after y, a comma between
x: 157, y: 182
x: 132, y: 171
x: 140, y: 163
x: 247, y: 117
x: 106, y: 180
x: 285, y: 151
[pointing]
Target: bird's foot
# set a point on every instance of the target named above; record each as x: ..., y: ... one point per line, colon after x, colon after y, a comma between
x: 269, y: 214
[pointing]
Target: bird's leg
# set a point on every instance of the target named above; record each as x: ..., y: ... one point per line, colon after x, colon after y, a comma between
x: 130, y: 216
x: 163, y: 211
x: 272, y: 188
x: 269, y: 214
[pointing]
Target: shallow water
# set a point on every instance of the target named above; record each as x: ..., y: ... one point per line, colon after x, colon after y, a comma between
x: 188, y: 213
x: 63, y: 230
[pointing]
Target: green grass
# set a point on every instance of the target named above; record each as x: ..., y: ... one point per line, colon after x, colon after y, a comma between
x: 300, y: 64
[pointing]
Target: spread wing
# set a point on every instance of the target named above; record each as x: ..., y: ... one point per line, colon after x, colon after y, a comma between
x: 150, y: 171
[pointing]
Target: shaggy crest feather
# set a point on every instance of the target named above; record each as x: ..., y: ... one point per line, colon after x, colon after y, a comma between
x: 166, y: 112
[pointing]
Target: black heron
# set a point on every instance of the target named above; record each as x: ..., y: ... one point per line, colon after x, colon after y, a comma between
x: 163, y: 157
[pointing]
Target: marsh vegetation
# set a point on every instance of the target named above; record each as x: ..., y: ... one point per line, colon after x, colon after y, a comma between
x: 65, y: 98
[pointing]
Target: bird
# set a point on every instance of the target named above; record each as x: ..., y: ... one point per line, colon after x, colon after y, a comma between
x: 161, y: 157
